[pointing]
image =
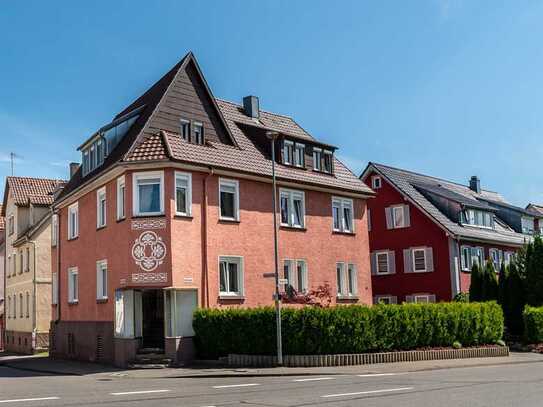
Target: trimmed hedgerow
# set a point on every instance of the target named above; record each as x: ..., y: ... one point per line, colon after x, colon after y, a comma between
x: 533, y: 324
x: 346, y: 329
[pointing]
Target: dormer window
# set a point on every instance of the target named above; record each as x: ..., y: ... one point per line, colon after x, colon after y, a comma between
x: 327, y: 161
x: 299, y: 155
x: 527, y: 225
x: 288, y: 146
x: 475, y: 217
x: 198, y: 133
x: 317, y: 159
x: 185, y: 129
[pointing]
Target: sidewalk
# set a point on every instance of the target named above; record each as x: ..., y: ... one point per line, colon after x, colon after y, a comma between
x: 44, y: 365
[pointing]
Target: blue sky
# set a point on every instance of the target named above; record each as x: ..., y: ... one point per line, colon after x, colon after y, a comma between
x: 444, y: 87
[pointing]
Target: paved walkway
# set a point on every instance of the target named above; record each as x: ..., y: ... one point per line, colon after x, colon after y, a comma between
x: 42, y: 364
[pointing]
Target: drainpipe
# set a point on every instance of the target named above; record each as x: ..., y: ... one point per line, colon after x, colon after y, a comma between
x: 57, y: 233
x: 34, y: 311
x: 205, y: 294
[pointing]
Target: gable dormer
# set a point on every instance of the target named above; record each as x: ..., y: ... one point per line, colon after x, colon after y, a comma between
x: 306, y: 154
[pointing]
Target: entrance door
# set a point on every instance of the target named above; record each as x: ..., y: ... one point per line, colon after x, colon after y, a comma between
x: 152, y: 304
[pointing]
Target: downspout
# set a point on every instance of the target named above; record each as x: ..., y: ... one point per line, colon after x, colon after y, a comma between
x: 34, y: 311
x: 57, y: 234
x: 205, y: 294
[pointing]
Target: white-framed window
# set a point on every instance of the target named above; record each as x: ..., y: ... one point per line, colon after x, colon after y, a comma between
x: 288, y: 147
x: 292, y: 208
x: 198, y: 129
x: 342, y: 214
x: 54, y: 288
x: 508, y: 257
x: 317, y: 159
x: 21, y: 305
x: 397, y: 216
x: 385, y: 299
x: 27, y: 304
x: 11, y: 225
x: 419, y: 260
x: 346, y: 277
x: 327, y: 161
x: 101, y: 280
x: 183, y: 194
x: 299, y: 155
x: 73, y: 221
x: 230, y: 276
x: 229, y: 199
x: 148, y: 193
x: 479, y: 218
x: 54, y: 229
x: 73, y: 285
x: 496, y: 256
x: 27, y: 259
x: 376, y: 182
x: 527, y: 225
x: 101, y: 207
x: 185, y: 129
x: 121, y: 197
x: 14, y: 306
x: 383, y: 262
x: 465, y: 258
x: 21, y: 262
x: 421, y: 299
x: 295, y: 271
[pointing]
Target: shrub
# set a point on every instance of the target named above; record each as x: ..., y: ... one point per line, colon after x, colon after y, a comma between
x: 461, y: 297
x: 476, y: 284
x: 533, y: 324
x: 489, y: 283
x: 457, y: 345
x: 346, y: 329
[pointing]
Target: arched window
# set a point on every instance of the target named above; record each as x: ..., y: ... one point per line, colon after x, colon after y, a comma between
x: 27, y: 304
x: 21, y: 305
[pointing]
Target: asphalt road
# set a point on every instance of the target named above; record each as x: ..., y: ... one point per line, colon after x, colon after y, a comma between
x: 504, y: 385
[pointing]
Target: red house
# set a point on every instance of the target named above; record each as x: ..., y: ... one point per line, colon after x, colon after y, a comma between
x: 426, y: 233
x: 172, y: 209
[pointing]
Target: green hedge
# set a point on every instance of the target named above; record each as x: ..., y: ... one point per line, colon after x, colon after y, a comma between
x: 346, y: 329
x: 533, y: 324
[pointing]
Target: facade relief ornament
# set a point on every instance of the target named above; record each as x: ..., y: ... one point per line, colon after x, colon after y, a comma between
x: 148, y: 251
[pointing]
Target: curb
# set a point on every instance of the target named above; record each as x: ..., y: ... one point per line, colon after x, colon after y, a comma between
x: 366, y: 358
x: 37, y: 370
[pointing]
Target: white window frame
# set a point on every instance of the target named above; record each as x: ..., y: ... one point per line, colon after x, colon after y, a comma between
x: 376, y: 182
x: 291, y: 194
x: 390, y: 298
x: 101, y: 283
x: 293, y: 277
x: 317, y: 164
x: 288, y: 152
x: 137, y: 176
x: 73, y: 289
x: 418, y: 297
x: 73, y: 227
x: 527, y: 230
x: 377, y: 272
x: 229, y: 183
x: 121, y: 198
x: 200, y: 139
x: 185, y: 122
x: 101, y: 218
x: 331, y: 155
x: 297, y: 148
x: 54, y: 229
x: 393, y: 212
x: 342, y: 204
x: 463, y: 265
x: 239, y: 261
x: 187, y: 177
x: 413, y: 251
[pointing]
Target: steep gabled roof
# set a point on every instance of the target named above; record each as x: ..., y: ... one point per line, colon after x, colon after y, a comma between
x: 141, y: 144
x: 26, y: 190
x: 407, y: 181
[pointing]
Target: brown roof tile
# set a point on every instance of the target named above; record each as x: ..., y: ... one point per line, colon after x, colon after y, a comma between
x: 38, y: 191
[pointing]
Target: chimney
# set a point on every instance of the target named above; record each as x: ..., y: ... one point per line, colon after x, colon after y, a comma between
x: 73, y: 169
x: 475, y: 184
x: 250, y: 105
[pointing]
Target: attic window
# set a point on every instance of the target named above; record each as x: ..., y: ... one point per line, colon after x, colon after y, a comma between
x: 478, y: 218
x: 327, y: 167
x: 185, y: 129
x: 288, y: 146
x: 198, y: 133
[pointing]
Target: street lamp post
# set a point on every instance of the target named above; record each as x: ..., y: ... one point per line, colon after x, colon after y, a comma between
x: 272, y: 135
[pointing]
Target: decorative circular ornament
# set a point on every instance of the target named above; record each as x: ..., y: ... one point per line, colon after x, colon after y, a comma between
x: 148, y: 251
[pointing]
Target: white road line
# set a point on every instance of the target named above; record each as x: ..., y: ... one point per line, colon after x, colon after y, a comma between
x: 358, y: 393
x: 313, y: 379
x: 379, y: 374
x: 35, y: 399
x: 126, y: 393
x: 226, y: 386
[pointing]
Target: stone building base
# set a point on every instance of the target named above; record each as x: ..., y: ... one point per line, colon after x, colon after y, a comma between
x: 21, y: 342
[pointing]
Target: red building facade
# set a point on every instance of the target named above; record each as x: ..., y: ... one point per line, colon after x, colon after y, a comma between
x: 176, y: 214
x: 426, y: 233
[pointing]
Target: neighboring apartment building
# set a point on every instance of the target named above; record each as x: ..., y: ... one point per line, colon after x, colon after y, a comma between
x: 27, y: 215
x: 2, y: 251
x: 426, y: 233
x: 171, y: 209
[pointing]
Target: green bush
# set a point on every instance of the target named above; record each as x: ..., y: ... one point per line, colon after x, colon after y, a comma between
x: 533, y: 324
x: 346, y: 329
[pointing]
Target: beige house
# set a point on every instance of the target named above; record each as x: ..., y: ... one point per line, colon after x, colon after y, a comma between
x: 26, y: 209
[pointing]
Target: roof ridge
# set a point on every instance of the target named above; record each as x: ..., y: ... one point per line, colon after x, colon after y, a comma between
x: 262, y: 110
x: 427, y: 176
x: 35, y: 178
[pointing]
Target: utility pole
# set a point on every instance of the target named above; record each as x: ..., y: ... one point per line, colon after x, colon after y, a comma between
x: 272, y: 135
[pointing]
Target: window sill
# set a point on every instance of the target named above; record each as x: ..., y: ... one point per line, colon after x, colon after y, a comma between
x: 232, y: 297
x: 182, y: 216
x: 151, y: 215
x: 73, y: 302
x: 384, y: 274
x: 293, y: 228
x: 228, y: 220
x: 119, y: 220
x: 100, y: 227
x: 340, y: 232
x: 101, y: 300
x: 73, y: 238
x: 340, y: 297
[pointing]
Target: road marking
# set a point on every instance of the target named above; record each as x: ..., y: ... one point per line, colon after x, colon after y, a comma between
x: 35, y: 399
x: 125, y: 393
x: 358, y: 393
x: 236, y: 385
x: 313, y: 379
x: 379, y: 374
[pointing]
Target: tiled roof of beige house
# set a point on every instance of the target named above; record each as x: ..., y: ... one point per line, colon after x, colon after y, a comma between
x: 242, y: 155
x: 25, y: 190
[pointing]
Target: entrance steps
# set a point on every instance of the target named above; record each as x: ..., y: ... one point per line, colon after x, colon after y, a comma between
x: 150, y: 358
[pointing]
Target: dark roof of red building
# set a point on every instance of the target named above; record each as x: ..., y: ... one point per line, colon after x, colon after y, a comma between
x: 241, y: 155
